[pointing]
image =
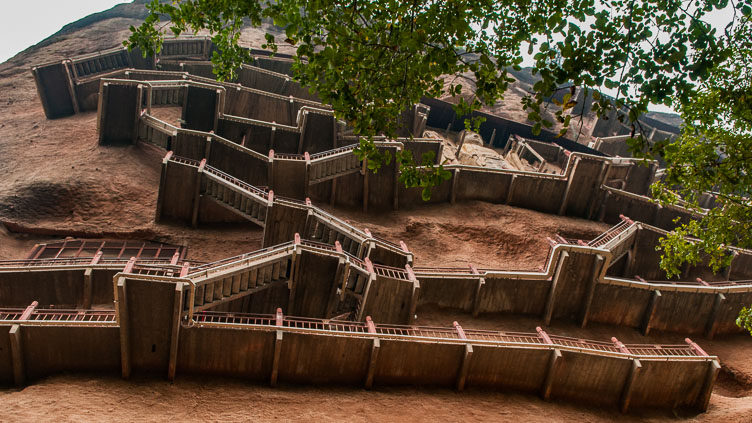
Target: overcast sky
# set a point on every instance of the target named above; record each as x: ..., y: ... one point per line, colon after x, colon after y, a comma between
x: 24, y: 23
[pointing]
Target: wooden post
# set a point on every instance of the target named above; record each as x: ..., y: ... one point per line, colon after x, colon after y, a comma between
x: 462, y: 142
x: 121, y: 307
x: 86, y: 303
x: 465, y: 365
x: 162, y: 185
x: 415, y: 294
x: 550, y: 302
x: 197, y: 193
x: 712, y: 324
x: 478, y: 291
x: 626, y: 393
x: 508, y: 200
x: 590, y: 293
x: 650, y: 312
x: 307, y: 174
x: 553, y: 365
x: 16, y: 351
x: 493, y: 136
x: 177, y: 312
x: 366, y: 291
x: 453, y: 194
x: 727, y: 270
x: 703, y: 399
x: 275, y: 362
x: 570, y: 179
x: 374, y: 354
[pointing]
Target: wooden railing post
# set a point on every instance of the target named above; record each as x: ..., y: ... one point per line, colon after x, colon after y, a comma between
x: 279, y: 318
x: 465, y: 365
x: 553, y: 365
x: 371, y: 371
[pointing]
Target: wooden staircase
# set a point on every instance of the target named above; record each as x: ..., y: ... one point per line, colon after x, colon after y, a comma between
x: 246, y: 275
x: 235, y: 195
x: 333, y: 164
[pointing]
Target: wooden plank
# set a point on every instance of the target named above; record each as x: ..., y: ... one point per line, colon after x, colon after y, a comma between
x: 177, y: 307
x: 16, y: 351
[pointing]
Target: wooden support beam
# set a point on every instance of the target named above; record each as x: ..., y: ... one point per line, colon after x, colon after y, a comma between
x: 554, y: 363
x: 275, y: 362
x: 478, y: 291
x: 493, y: 137
x: 395, y: 184
x: 656, y: 214
x: 626, y: 393
x: 415, y: 294
x: 592, y: 203
x: 307, y: 174
x: 333, y: 195
x: 590, y: 292
x: 197, y: 193
x: 453, y: 192
x: 603, y: 206
x: 462, y: 142
x: 508, y: 200
x: 727, y: 270
x: 86, y: 303
x: 374, y: 354
x: 337, y: 282
x: 570, y: 179
x: 650, y: 312
x: 121, y: 308
x: 703, y: 399
x: 366, y: 291
x: 207, y: 150
x: 177, y: 313
x: 551, y: 301
x: 464, y: 367
x: 303, y: 128
x: 162, y: 185
x: 17, y: 356
x: 270, y: 169
x: 712, y: 324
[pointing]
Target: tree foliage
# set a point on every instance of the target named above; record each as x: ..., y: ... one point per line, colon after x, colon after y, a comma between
x: 370, y: 60
x: 713, y: 154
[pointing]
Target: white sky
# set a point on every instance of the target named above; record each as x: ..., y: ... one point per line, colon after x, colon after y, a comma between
x: 24, y: 23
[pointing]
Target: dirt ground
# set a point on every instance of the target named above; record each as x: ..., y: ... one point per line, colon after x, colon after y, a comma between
x: 55, y: 181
